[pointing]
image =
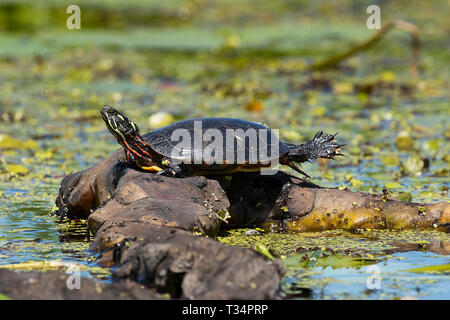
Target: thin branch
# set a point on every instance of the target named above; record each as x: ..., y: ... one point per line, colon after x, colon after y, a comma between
x: 396, y: 24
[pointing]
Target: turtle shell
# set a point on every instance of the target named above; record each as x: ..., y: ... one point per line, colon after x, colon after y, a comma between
x: 241, y: 141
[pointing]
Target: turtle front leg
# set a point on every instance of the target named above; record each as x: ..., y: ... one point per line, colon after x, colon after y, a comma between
x: 173, y: 169
x: 129, y: 158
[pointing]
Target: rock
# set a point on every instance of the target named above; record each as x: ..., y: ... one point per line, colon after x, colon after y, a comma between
x: 196, y: 268
x: 83, y: 192
x: 141, y: 201
x: 253, y: 196
x: 326, y: 209
x: 148, y: 226
x: 52, y: 285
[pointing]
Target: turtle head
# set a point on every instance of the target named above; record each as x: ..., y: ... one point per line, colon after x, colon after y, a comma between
x: 127, y: 134
x: 119, y: 125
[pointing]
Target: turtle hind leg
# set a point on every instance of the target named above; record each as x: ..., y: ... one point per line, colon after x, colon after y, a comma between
x: 321, y: 146
x: 326, y: 145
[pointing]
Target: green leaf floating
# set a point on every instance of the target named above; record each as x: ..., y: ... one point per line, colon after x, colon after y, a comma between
x: 263, y: 250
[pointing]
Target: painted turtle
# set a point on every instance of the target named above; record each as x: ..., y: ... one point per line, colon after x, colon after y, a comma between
x: 159, y: 150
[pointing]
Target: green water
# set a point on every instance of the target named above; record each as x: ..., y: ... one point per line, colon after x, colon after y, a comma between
x: 224, y: 59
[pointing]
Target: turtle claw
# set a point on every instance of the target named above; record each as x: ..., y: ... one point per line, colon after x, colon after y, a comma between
x: 321, y: 137
x: 294, y: 166
x: 172, y: 169
x: 318, y: 135
x: 168, y: 172
x: 326, y: 144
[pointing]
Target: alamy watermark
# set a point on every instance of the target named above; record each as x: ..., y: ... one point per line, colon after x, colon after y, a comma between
x: 374, y: 20
x: 74, y: 280
x: 73, y: 22
x: 373, y: 282
x: 259, y: 147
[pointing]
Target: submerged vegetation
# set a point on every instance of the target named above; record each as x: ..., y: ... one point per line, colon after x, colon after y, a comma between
x: 180, y: 59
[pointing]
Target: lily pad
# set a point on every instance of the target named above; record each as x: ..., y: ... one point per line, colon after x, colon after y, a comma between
x: 439, y: 269
x: 160, y: 119
x: 404, y: 143
x: 413, y: 165
x: 8, y: 142
x: 393, y: 185
x: 16, y: 169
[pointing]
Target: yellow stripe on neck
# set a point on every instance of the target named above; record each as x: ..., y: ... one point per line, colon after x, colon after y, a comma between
x: 151, y: 168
